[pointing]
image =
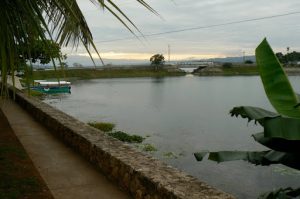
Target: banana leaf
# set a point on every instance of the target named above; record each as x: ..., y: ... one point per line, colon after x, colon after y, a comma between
x: 278, y: 144
x: 276, y: 84
x: 280, y: 127
x: 286, y: 193
x: 253, y: 113
x: 274, y: 125
x: 224, y: 156
x: 264, y: 158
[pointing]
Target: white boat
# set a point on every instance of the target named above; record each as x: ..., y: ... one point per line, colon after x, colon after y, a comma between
x: 52, y: 86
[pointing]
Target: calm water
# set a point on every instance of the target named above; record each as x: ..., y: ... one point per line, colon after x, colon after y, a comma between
x: 183, y: 115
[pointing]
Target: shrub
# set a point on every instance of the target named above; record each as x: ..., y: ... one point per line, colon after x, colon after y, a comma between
x: 248, y: 62
x: 227, y: 65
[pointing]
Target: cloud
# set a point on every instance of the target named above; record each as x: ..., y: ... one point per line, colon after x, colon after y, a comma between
x: 228, y: 40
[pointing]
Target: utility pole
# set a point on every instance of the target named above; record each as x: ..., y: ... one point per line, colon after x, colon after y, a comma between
x: 243, y: 56
x: 169, y: 51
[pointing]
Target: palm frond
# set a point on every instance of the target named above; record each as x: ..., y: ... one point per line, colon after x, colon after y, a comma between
x: 23, y: 21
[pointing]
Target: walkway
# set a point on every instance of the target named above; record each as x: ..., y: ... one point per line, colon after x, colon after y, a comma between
x: 66, y: 173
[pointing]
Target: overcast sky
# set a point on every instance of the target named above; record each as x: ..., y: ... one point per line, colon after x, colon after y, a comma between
x: 219, y: 41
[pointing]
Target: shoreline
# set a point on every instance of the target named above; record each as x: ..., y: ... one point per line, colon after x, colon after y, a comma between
x: 88, y: 73
x: 240, y: 71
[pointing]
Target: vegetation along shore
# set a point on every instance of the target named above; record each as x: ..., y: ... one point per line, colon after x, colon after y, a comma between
x: 92, y: 73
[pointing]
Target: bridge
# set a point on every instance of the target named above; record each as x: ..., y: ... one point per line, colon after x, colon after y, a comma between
x: 194, y: 64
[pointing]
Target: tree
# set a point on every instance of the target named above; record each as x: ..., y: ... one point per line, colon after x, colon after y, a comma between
x: 62, y: 20
x: 289, y: 57
x: 227, y: 65
x: 42, y: 51
x: 248, y: 62
x: 281, y: 57
x: 157, y: 59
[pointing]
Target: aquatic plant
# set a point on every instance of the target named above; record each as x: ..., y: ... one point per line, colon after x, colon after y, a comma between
x: 148, y: 147
x: 125, y: 137
x: 103, y: 126
x: 281, y: 130
x: 170, y: 155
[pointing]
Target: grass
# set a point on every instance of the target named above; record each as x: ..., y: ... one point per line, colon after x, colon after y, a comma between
x: 125, y: 137
x: 103, y: 126
x: 88, y: 73
x: 228, y: 71
x: 36, y: 93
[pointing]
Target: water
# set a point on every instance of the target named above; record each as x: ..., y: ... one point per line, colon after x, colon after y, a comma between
x: 188, y: 70
x: 184, y: 115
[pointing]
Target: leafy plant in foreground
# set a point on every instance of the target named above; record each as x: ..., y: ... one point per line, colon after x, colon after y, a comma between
x: 281, y: 130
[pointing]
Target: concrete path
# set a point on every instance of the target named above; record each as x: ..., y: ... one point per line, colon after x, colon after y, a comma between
x: 66, y: 173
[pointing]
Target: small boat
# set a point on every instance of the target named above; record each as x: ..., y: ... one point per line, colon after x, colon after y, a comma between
x: 52, y: 87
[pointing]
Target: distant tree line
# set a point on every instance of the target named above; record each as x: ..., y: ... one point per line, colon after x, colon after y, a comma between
x: 289, y: 58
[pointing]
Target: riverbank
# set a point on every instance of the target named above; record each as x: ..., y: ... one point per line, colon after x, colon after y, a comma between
x: 239, y: 70
x: 89, y: 73
x: 92, y: 73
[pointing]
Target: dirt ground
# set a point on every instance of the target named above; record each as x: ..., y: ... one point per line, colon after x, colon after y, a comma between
x: 19, y: 179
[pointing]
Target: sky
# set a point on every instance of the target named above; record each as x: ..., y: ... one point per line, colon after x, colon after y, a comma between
x: 114, y: 41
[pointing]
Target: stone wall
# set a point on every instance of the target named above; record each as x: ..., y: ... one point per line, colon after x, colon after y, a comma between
x: 140, y: 175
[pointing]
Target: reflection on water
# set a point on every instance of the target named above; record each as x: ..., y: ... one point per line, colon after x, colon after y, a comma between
x: 185, y: 115
x: 188, y: 70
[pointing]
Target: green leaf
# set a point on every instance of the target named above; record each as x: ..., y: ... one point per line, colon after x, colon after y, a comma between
x: 280, y: 127
x: 253, y: 157
x: 286, y: 193
x: 276, y: 84
x: 200, y: 155
x: 278, y: 144
x: 253, y: 113
x: 263, y: 158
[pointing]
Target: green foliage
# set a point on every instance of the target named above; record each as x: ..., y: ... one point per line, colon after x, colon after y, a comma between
x: 170, y: 155
x: 227, y: 65
x: 248, y: 62
x: 287, y: 193
x: 23, y: 22
x: 125, y: 137
x: 42, y: 51
x: 289, y: 57
x: 34, y: 93
x: 103, y: 126
x: 281, y: 130
x: 149, y: 148
x: 157, y: 59
x: 276, y: 84
x: 113, y: 73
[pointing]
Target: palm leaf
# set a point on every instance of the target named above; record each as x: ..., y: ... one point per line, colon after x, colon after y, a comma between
x: 60, y: 20
x: 276, y: 84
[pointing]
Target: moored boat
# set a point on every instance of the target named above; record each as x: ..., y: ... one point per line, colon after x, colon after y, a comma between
x: 52, y: 86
